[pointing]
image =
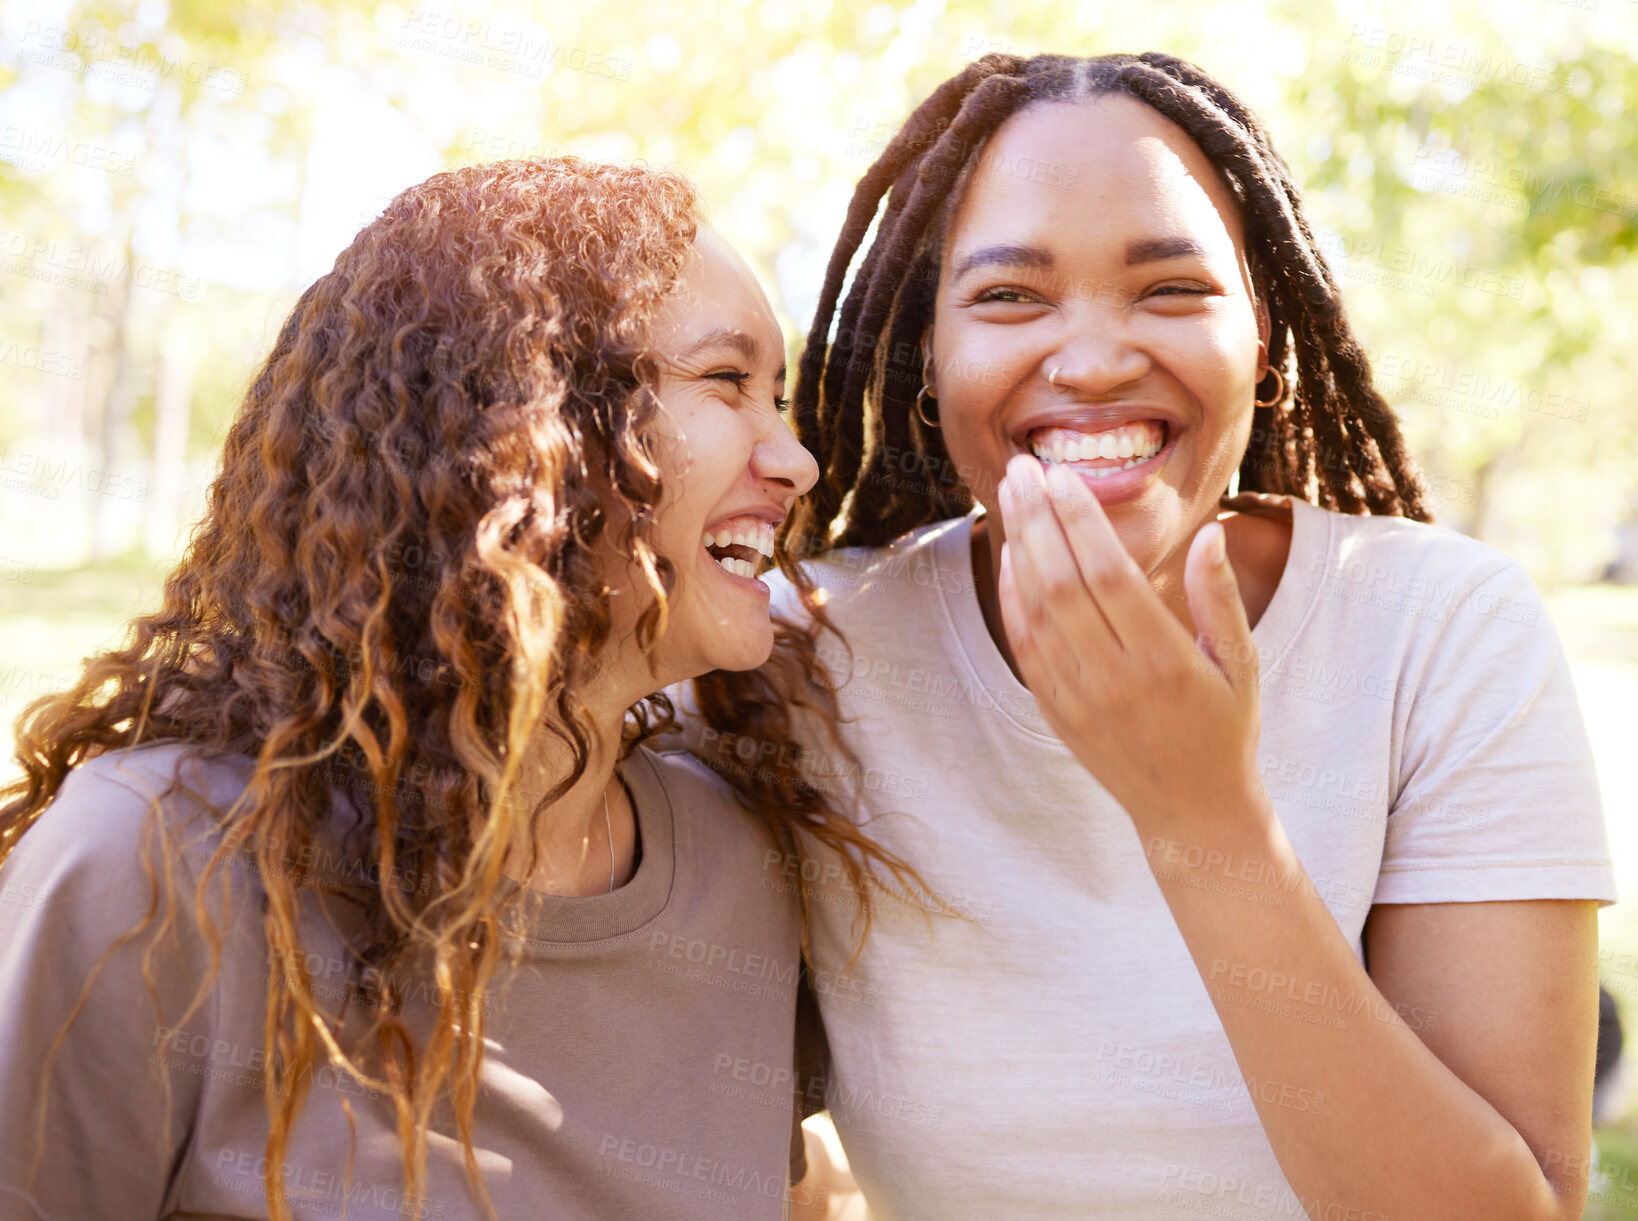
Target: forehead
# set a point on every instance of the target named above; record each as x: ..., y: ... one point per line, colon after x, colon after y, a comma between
x: 717, y: 290
x: 1110, y: 167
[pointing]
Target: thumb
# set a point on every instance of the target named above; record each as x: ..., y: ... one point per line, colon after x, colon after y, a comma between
x: 1224, y: 634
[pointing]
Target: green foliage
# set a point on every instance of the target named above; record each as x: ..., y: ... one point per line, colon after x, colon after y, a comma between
x: 1471, y: 168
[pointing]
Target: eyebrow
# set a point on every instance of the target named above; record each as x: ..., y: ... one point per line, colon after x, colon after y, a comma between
x: 1159, y: 249
x: 1005, y: 256
x: 1144, y: 250
x: 725, y: 337
x: 739, y: 341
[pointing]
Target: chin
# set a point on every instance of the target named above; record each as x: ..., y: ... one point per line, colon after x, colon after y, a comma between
x: 747, y: 653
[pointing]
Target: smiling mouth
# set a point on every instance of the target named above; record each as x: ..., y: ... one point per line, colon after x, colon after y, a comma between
x: 741, y: 544
x: 1102, y: 453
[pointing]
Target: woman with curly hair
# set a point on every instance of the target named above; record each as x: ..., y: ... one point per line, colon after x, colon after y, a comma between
x: 1270, y: 821
x: 348, y: 886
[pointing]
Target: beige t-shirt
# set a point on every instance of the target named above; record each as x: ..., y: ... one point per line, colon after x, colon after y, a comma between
x: 638, y: 1059
x: 1056, y: 1055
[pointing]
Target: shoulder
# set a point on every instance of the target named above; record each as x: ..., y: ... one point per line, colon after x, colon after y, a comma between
x: 124, y: 841
x: 1400, y: 583
x: 1392, y: 552
x: 102, y: 821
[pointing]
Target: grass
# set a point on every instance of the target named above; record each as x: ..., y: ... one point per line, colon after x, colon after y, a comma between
x: 50, y: 620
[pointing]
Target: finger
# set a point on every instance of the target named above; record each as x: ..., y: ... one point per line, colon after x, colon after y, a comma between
x: 1037, y: 676
x: 1074, y: 652
x: 1219, y: 614
x: 1121, y: 589
x: 1048, y: 579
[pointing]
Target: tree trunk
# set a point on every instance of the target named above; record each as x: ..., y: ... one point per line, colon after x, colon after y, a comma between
x: 106, y: 533
x: 173, y: 402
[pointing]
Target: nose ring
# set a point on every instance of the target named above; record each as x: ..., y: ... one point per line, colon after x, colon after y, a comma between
x: 1052, y: 379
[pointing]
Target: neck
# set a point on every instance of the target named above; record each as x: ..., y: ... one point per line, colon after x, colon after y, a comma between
x: 570, y: 845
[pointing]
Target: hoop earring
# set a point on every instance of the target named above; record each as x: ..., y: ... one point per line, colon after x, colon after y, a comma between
x: 1279, y: 392
x: 920, y: 414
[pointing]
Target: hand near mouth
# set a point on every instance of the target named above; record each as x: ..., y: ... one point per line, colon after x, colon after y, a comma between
x: 1168, y: 724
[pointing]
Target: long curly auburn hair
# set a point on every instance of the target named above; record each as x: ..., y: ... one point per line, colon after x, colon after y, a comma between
x: 393, y: 588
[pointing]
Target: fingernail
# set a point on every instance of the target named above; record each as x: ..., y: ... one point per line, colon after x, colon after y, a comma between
x: 1062, y: 479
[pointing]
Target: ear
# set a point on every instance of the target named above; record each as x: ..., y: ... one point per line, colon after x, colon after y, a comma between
x: 1265, y: 328
x: 927, y: 374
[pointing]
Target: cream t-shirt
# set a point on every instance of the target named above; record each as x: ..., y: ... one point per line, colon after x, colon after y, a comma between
x: 1056, y: 1055
x: 638, y: 1056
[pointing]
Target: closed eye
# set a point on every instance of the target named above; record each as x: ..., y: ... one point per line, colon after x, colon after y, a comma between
x: 1175, y: 290
x: 740, y: 380
x: 1003, y: 294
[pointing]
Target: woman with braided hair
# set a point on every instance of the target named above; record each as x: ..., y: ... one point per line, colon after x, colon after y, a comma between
x: 1264, y: 823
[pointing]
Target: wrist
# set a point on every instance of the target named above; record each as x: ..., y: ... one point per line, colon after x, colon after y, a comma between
x: 1243, y: 838
x: 1238, y: 799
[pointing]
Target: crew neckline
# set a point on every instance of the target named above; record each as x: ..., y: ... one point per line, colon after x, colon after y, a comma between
x: 1312, y: 540
x: 540, y: 918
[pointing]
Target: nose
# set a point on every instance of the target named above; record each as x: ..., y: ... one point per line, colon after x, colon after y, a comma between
x: 780, y: 458
x: 1095, y: 359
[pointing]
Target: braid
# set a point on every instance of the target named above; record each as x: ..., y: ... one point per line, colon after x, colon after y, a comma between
x: 1382, y: 478
x: 1330, y: 438
x: 819, y: 411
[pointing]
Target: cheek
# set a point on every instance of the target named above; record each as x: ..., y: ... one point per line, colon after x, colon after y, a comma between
x: 699, y: 454
x: 673, y: 452
x: 978, y: 363
x: 976, y: 370
x: 1217, y: 366
x: 677, y: 518
x: 1221, y: 377
x: 977, y: 451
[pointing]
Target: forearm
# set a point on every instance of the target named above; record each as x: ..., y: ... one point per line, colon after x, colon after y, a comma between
x: 1398, y: 1134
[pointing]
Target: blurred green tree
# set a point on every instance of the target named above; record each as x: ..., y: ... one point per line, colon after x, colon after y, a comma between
x: 1469, y: 168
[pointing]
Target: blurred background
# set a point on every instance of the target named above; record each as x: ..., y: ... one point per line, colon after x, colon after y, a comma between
x: 173, y: 174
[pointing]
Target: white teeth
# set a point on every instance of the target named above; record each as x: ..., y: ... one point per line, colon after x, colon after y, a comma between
x: 740, y: 568
x: 1134, y: 445
x: 747, y: 532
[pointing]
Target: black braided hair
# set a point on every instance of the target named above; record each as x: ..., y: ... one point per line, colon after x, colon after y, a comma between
x: 1329, y: 438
